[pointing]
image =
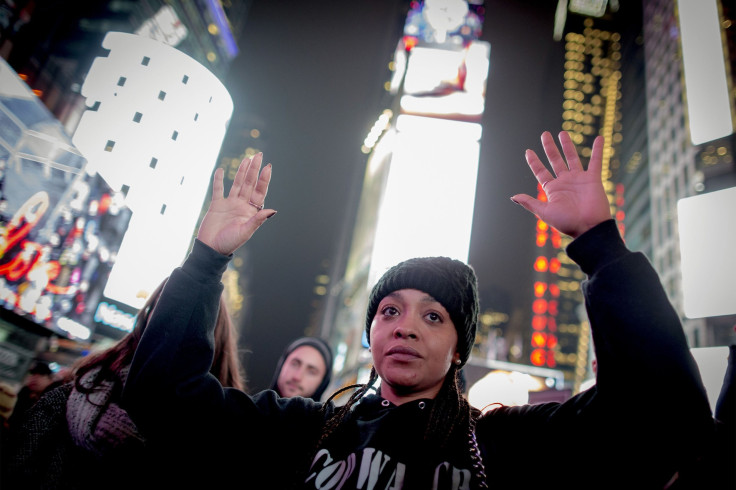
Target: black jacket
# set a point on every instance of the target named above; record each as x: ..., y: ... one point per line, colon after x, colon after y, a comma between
x: 626, y: 432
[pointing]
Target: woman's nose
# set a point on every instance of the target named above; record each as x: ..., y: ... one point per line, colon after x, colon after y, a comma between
x: 405, y: 330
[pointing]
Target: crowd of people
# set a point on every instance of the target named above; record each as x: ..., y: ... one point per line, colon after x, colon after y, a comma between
x: 169, y: 399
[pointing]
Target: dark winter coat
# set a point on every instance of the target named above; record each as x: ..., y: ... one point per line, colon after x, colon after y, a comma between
x: 647, y: 416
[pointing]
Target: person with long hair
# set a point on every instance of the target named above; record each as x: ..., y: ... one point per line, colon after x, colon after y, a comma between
x: 646, y: 417
x: 79, y: 433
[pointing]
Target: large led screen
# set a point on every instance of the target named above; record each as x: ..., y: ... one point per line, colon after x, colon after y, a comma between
x: 60, y: 227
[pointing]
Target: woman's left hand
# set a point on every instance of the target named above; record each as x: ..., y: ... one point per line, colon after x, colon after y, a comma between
x: 576, y: 199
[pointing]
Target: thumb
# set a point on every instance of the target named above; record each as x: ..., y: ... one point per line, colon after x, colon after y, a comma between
x: 250, y: 227
x: 263, y: 215
x: 527, y: 202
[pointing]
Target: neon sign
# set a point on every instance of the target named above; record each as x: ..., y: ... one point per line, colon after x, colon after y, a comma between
x: 29, y: 258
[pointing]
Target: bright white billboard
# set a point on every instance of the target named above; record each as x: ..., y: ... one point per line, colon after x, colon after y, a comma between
x: 707, y: 235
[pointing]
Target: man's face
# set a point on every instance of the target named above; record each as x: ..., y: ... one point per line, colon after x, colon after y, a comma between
x: 38, y: 382
x: 302, y: 372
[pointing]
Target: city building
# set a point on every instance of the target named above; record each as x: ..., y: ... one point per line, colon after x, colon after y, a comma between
x: 683, y: 159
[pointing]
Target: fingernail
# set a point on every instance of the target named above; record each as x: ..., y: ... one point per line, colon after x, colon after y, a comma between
x: 272, y: 214
x: 514, y: 200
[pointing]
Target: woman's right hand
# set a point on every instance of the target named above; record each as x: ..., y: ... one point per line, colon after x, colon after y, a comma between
x: 231, y: 221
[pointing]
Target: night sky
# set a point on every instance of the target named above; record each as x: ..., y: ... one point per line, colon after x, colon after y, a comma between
x: 310, y: 76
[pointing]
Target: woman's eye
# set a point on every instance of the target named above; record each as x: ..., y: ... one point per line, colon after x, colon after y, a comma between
x: 434, y: 317
x: 389, y: 311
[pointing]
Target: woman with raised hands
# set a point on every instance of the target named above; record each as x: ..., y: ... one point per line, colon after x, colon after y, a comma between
x: 415, y: 430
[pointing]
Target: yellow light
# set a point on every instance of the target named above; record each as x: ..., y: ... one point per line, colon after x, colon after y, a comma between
x: 539, y: 339
x: 540, y: 265
x: 322, y: 279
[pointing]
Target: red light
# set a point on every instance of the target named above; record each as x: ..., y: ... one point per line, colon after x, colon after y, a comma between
x: 541, y: 239
x: 539, y: 306
x: 620, y: 215
x: 551, y: 341
x: 105, y: 202
x: 552, y: 307
x: 539, y: 289
x: 539, y: 339
x: 539, y: 322
x: 537, y: 357
x: 551, y: 324
x: 540, y: 265
x: 556, y: 239
x: 409, y: 42
x: 554, y: 265
x: 542, y: 226
x: 551, y: 360
x: 554, y: 290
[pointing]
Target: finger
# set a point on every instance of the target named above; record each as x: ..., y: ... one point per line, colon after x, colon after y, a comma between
x: 537, y: 167
x: 251, y: 176
x: 240, y: 176
x: 248, y: 228
x: 264, y: 179
x: 571, y: 154
x: 532, y: 205
x: 217, y: 186
x: 553, y: 154
x: 596, y: 157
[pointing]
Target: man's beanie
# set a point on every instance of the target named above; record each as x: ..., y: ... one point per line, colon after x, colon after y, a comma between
x: 451, y: 282
x: 322, y: 347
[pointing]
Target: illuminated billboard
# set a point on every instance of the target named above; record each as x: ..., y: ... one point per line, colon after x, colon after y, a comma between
x: 60, y: 226
x: 428, y: 154
x: 707, y: 230
x: 155, y: 122
x: 709, y: 103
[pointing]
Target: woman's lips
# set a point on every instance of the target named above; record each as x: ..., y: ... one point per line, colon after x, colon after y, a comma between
x: 402, y: 353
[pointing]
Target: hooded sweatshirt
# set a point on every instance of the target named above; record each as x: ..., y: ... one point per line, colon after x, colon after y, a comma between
x: 628, y: 431
x: 323, y: 348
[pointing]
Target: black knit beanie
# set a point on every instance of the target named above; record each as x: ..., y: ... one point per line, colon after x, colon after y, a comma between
x: 449, y: 281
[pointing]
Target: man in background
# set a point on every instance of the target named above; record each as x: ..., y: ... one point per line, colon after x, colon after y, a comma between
x: 40, y: 379
x: 304, y: 369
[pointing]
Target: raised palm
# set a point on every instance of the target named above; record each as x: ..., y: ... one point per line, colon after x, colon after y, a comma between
x: 576, y: 199
x: 231, y: 221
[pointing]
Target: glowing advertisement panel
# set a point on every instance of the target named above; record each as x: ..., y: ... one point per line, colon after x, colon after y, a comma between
x: 706, y: 88
x: 427, y: 206
x: 707, y: 229
x: 447, y: 82
x: 155, y: 122
x: 59, y: 226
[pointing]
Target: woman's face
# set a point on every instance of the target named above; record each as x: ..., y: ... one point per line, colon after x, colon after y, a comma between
x: 413, y: 341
